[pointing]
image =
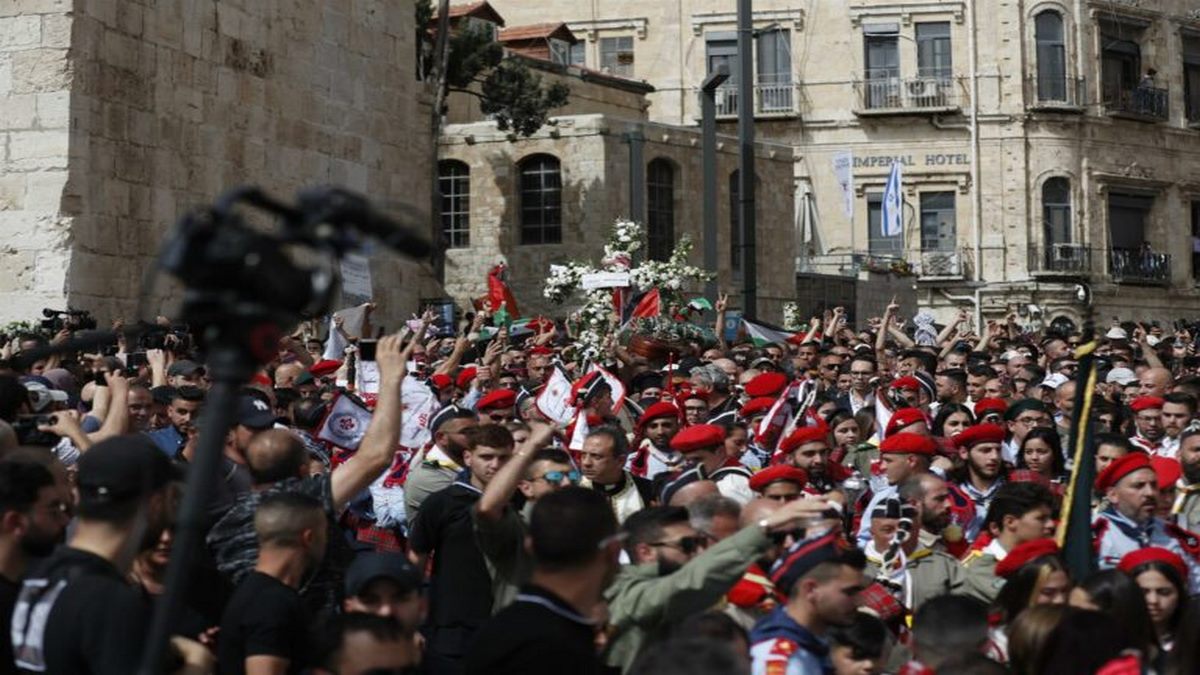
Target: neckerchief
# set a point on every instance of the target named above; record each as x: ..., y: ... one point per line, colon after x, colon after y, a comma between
x: 1139, y: 533
x: 1182, y: 490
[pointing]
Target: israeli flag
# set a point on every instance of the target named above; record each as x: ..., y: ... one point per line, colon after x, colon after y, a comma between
x: 893, y: 203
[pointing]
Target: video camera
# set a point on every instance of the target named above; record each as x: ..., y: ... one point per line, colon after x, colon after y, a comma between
x: 176, y: 338
x: 71, y: 319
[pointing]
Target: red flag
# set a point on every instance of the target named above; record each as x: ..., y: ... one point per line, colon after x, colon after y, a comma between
x: 648, y: 305
x: 499, y: 293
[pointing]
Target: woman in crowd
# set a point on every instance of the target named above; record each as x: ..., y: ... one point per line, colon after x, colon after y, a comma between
x: 1041, y: 452
x: 1116, y: 595
x: 1027, y: 636
x: 1162, y: 577
x: 951, y: 419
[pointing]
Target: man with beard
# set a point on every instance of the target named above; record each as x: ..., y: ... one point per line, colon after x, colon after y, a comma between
x: 808, y: 449
x: 1127, y: 521
x: 673, y: 575
x: 654, y: 456
x: 141, y: 408
x: 182, y: 412
x: 703, y: 448
x: 1177, y: 412
x: 900, y: 564
x: 33, y: 518
x: 823, y: 581
x: 979, y: 450
x: 435, y: 468
x: 931, y: 495
x: 265, y: 628
x: 76, y: 612
x: 1186, y: 509
x: 1147, y: 419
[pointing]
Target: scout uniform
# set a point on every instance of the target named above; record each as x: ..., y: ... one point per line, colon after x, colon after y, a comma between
x: 732, y: 479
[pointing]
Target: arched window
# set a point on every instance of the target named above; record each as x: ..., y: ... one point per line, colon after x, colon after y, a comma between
x: 454, y: 184
x: 541, y: 200
x: 1056, y: 211
x: 735, y: 223
x: 1051, y: 56
x: 660, y: 209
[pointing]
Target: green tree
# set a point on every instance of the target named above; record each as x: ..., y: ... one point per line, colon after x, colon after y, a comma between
x: 508, y: 91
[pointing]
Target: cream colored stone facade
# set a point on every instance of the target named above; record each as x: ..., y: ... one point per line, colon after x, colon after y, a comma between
x: 590, y: 141
x: 985, y: 105
x: 117, y: 116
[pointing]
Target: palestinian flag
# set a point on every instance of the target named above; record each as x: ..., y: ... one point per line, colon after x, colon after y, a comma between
x: 641, y: 305
x: 764, y: 334
x: 499, y: 299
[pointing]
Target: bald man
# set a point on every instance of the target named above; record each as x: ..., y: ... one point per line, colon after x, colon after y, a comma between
x: 286, y: 374
x: 689, y: 493
x: 1155, y: 382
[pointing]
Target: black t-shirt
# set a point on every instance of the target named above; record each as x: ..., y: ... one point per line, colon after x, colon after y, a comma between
x: 8, y: 600
x: 95, y: 621
x: 265, y: 617
x: 461, y: 588
x: 539, y: 633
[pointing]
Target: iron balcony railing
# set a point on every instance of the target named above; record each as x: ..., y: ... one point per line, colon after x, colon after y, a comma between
x: 1144, y: 102
x: 769, y: 99
x: 1139, y: 266
x: 1056, y: 92
x: 881, y: 94
x: 1068, y: 259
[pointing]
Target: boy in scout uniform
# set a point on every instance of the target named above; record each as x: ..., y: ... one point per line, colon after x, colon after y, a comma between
x: 1020, y: 512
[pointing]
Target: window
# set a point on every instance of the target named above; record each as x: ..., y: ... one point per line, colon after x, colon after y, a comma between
x: 541, y: 200
x: 616, y: 55
x: 578, y: 56
x: 660, y: 210
x: 933, y: 50
x: 937, y: 222
x: 881, y: 43
x: 775, y: 70
x: 1120, y: 64
x: 1127, y: 218
x: 721, y: 49
x: 735, y: 223
x: 1191, y: 77
x: 1056, y: 211
x: 1051, y: 56
x: 454, y: 184
x: 560, y: 51
x: 879, y: 243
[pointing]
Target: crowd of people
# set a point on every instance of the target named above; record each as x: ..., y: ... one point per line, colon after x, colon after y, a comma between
x: 879, y: 498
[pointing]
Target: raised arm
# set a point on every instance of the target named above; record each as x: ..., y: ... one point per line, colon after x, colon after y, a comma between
x: 502, y: 487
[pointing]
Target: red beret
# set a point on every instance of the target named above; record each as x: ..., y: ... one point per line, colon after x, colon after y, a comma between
x: 905, y: 443
x: 541, y: 350
x: 980, y: 433
x: 756, y: 406
x: 813, y: 434
x: 698, y: 437
x: 777, y: 473
x: 766, y: 384
x: 1023, y: 554
x: 441, y: 381
x: 324, y: 367
x: 261, y: 378
x: 902, y: 418
x: 1168, y: 470
x: 657, y: 410
x: 1146, y: 403
x: 1121, y: 467
x: 497, y: 398
x: 1135, y: 559
x: 989, y: 405
x: 465, y: 376
x: 908, y: 382
x: 1028, y: 476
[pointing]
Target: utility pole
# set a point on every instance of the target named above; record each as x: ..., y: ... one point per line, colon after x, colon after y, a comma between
x: 745, y: 42
x: 441, y: 62
x: 708, y: 129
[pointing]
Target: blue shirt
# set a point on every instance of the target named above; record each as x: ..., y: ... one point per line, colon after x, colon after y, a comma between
x: 168, y: 439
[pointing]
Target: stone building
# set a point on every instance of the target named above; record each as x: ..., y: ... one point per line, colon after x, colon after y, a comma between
x: 553, y: 197
x: 1050, y: 149
x: 116, y: 117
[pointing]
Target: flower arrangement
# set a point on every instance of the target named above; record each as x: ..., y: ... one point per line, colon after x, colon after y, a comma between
x: 593, y: 321
x: 792, y: 320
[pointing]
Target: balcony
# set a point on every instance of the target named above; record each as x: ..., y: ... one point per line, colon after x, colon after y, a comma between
x: 942, y: 265
x: 1143, y: 103
x: 880, y: 95
x: 1132, y: 266
x: 1068, y: 260
x: 770, y: 100
x: 1056, y: 94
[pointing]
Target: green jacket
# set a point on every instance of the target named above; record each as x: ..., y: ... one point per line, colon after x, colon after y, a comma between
x: 981, y: 580
x: 932, y: 573
x: 643, y: 606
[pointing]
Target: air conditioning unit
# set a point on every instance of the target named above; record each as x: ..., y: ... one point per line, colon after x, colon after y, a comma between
x: 924, y: 89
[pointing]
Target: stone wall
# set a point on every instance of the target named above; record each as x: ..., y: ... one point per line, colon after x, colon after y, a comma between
x: 170, y: 103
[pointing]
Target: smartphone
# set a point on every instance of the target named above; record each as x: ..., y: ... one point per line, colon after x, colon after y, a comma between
x: 366, y: 349
x: 98, y: 378
x: 136, y: 359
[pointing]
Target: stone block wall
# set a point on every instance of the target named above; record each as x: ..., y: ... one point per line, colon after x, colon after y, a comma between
x: 171, y: 102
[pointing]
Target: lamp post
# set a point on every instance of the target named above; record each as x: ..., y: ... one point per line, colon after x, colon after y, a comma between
x: 745, y: 47
x: 708, y: 128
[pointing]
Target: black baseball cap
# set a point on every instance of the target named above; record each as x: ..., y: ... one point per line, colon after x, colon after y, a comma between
x: 185, y: 368
x: 369, y: 567
x: 255, y: 413
x: 123, y: 468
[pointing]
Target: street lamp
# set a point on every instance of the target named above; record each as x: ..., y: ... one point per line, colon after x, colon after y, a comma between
x: 708, y: 128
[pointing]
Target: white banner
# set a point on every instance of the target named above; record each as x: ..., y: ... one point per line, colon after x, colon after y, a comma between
x: 843, y: 171
x: 356, y: 277
x: 420, y: 404
x: 615, y: 384
x: 604, y: 280
x: 345, y: 424
x: 555, y: 400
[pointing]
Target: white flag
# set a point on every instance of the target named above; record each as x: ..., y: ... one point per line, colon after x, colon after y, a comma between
x: 615, y: 384
x: 555, y: 400
x: 580, y: 432
x: 843, y: 170
x: 346, y: 423
x: 893, y: 203
x: 420, y: 404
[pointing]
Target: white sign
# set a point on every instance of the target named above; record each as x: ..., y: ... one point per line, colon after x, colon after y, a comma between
x: 604, y: 280
x: 555, y: 400
x: 420, y: 405
x: 614, y: 384
x: 843, y: 170
x: 356, y: 276
x: 368, y: 377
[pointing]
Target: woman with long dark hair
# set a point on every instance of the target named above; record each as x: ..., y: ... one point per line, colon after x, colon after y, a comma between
x: 1116, y: 595
x: 951, y: 419
x: 1162, y: 576
x: 1041, y: 452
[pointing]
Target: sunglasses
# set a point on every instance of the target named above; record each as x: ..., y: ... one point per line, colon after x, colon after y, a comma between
x: 556, y: 477
x: 688, y: 545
